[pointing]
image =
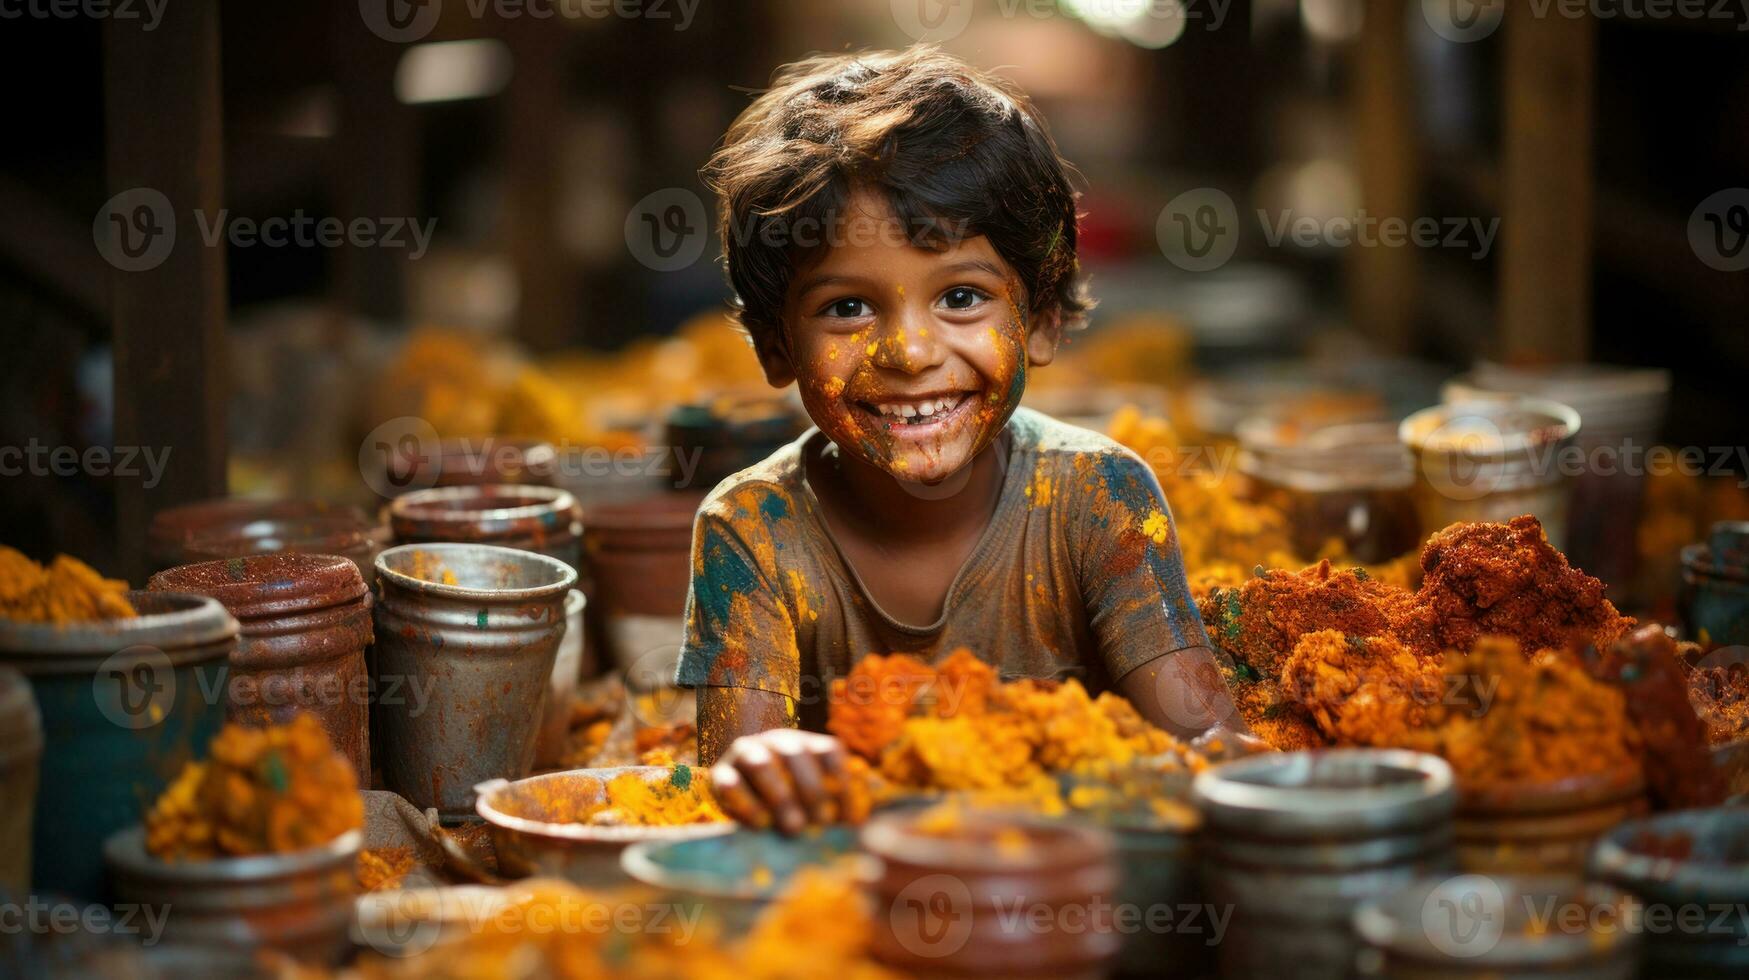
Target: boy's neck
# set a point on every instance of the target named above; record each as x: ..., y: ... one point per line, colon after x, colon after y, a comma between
x: 872, y: 499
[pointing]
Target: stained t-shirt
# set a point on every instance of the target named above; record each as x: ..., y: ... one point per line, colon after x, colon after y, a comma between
x: 1077, y: 575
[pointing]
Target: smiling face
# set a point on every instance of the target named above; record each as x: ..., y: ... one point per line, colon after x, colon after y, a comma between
x: 909, y: 358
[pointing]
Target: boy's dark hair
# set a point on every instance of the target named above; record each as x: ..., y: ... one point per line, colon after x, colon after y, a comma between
x: 956, y: 152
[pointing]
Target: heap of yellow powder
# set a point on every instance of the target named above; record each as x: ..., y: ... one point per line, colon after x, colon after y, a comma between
x: 65, y: 591
x: 630, y: 799
x: 262, y: 791
x: 954, y: 728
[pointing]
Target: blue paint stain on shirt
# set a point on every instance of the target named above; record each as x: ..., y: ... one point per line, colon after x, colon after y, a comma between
x: 774, y: 507
x: 726, y: 573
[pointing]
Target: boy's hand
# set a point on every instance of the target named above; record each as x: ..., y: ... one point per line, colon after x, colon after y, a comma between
x: 790, y: 778
x: 1221, y: 743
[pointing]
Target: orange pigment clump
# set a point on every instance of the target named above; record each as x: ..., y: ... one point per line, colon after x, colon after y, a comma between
x: 384, y: 868
x: 261, y: 791
x: 65, y: 591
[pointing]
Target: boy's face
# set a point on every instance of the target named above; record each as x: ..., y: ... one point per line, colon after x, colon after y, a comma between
x: 908, y: 358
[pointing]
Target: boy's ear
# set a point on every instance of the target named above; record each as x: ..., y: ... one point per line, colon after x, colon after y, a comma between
x: 774, y: 358
x: 1043, y: 337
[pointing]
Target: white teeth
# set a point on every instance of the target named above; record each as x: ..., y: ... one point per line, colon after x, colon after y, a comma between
x: 927, y: 408
x: 907, y: 410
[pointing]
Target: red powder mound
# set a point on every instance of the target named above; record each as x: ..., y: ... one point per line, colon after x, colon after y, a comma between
x: 1262, y: 620
x: 1506, y: 580
x: 1679, y: 766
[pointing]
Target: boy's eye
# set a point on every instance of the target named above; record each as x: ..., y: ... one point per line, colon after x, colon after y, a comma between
x: 846, y: 308
x: 962, y: 298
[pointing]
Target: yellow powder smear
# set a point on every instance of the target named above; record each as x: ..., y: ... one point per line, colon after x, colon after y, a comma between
x: 628, y: 800
x: 65, y: 591
x: 425, y: 568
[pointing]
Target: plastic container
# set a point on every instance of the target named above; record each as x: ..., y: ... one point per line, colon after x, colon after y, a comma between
x: 1622, y: 410
x: 1544, y: 828
x: 945, y: 899
x: 1715, y: 586
x: 1693, y: 859
x: 1293, y: 843
x: 1492, y: 461
x: 555, y: 722
x: 124, y: 705
x: 229, y: 909
x: 640, y: 563
x: 1353, y: 483
x: 1476, y: 927
x: 531, y: 837
x: 305, y: 622
x: 473, y: 661
x: 21, y: 746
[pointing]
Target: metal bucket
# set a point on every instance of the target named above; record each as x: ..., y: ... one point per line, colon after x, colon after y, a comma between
x: 305, y: 623
x: 173, y: 529
x: 299, y: 903
x: 555, y: 719
x: 540, y: 519
x: 21, y: 746
x: 1715, y: 586
x: 1545, y: 828
x: 996, y: 895
x: 125, y: 703
x: 343, y: 536
x: 1477, y: 927
x: 640, y: 562
x: 1492, y: 461
x: 1293, y: 843
x: 462, y: 669
x: 530, y: 841
x: 1693, y: 860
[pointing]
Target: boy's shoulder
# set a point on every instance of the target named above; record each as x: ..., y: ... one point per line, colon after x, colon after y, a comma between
x: 1036, y: 433
x: 767, y: 493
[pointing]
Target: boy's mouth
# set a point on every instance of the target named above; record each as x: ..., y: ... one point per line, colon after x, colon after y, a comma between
x: 919, y: 413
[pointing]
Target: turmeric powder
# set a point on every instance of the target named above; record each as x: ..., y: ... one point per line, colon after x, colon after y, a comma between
x: 629, y: 799
x: 261, y: 791
x: 65, y: 591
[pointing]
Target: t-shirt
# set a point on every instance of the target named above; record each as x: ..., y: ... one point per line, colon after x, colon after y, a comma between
x: 1077, y: 575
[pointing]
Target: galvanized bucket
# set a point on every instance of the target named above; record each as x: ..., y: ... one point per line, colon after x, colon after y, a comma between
x: 541, y: 519
x: 125, y: 703
x: 1544, y: 828
x: 1715, y: 586
x: 462, y: 669
x: 555, y: 716
x: 1293, y: 843
x: 530, y: 842
x: 1694, y: 860
x: 299, y: 903
x: 1477, y: 927
x: 21, y: 746
x: 1492, y: 461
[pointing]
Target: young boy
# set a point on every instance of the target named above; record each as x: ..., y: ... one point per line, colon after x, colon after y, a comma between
x: 900, y: 234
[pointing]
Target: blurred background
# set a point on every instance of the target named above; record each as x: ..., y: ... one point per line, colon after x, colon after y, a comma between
x: 535, y: 258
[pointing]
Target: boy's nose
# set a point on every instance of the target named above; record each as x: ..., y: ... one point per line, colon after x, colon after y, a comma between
x: 910, y: 345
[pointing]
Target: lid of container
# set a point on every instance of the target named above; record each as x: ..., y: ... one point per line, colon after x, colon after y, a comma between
x: 315, y: 535
x: 261, y: 586
x: 478, y: 513
x: 476, y: 573
x: 1502, y: 924
x: 169, y: 621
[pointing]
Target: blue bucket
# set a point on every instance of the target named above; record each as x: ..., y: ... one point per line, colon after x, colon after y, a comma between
x: 125, y: 704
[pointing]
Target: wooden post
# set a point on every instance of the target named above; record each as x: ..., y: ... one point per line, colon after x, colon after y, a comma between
x: 162, y: 127
x: 1546, y: 187
x: 546, y: 272
x: 376, y: 166
x: 1382, y: 281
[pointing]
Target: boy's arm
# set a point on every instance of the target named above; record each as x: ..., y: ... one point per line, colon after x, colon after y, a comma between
x: 1140, y: 608
x: 727, y: 713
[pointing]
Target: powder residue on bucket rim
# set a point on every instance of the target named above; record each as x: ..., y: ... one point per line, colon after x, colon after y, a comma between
x: 426, y: 568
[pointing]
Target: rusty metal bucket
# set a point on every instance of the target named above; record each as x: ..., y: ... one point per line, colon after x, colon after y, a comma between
x: 1691, y: 868
x: 305, y: 624
x: 1545, y: 828
x: 299, y: 903
x: 463, y: 665
x: 530, y: 841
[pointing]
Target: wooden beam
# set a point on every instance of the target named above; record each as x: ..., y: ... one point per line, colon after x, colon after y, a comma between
x: 1546, y: 188
x: 535, y: 121
x: 162, y: 128
x: 1382, y: 282
x: 376, y: 165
